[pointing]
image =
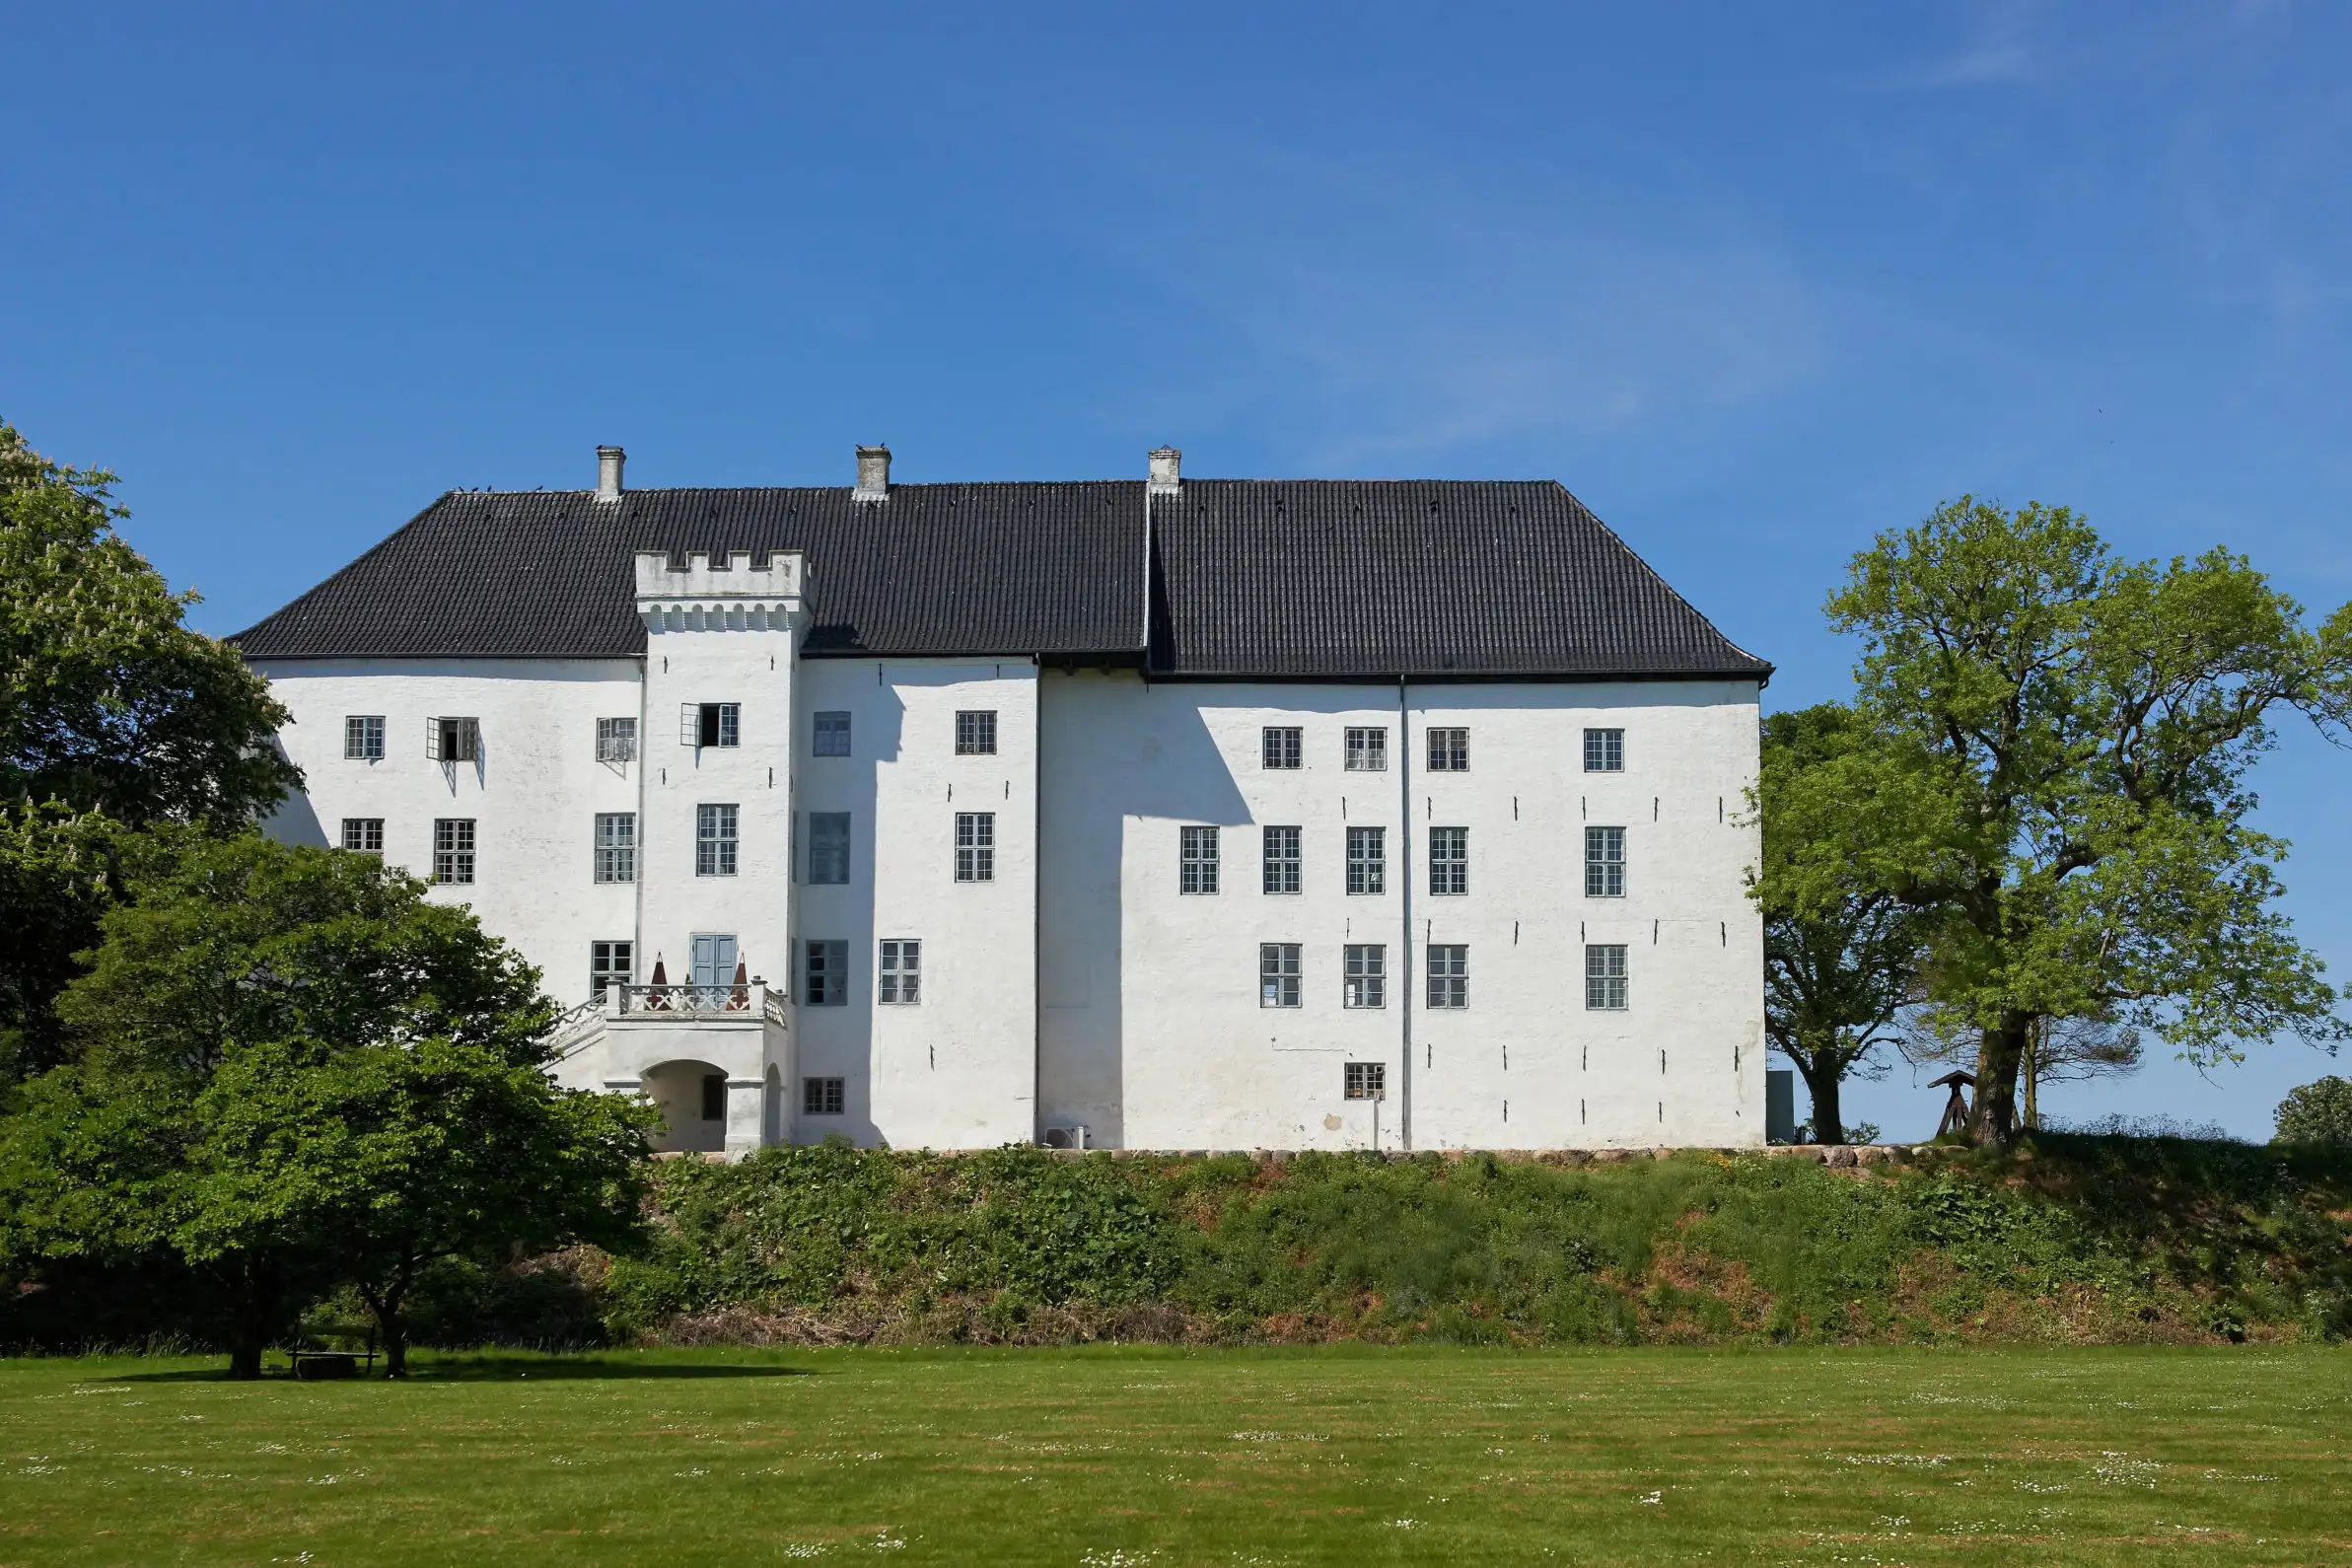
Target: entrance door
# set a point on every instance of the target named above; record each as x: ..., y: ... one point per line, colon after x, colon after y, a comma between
x: 714, y: 968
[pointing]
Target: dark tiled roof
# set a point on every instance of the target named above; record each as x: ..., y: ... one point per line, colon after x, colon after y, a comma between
x: 1283, y: 578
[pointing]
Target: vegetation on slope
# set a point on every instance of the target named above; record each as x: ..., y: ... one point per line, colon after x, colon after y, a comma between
x: 2066, y: 1239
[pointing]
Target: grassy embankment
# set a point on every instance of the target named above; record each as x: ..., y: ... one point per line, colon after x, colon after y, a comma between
x: 1185, y: 1456
x: 2067, y: 1240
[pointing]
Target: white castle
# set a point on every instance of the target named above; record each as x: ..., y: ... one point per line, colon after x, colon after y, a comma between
x: 1169, y: 813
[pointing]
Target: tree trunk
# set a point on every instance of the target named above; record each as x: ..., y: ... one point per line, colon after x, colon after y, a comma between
x: 392, y: 1326
x: 1992, y: 1119
x: 245, y: 1355
x: 1823, y: 1074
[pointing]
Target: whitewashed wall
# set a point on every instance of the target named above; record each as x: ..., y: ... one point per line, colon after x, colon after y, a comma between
x: 1079, y: 987
x: 958, y: 1070
x: 1152, y: 1034
x: 533, y: 793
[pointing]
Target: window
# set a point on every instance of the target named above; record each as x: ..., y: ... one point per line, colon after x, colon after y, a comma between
x: 453, y: 740
x: 1282, y: 860
x: 975, y: 846
x: 364, y: 833
x: 363, y: 737
x: 1604, y: 862
x: 701, y: 723
x: 1278, y: 974
x: 1605, y: 750
x: 453, y: 850
x: 616, y: 740
x: 1365, y: 1081
x: 975, y: 732
x: 1605, y: 978
x: 828, y: 848
x: 1281, y: 747
x: 714, y: 840
x: 1196, y: 859
x: 1367, y: 751
x: 1448, y: 751
x: 824, y: 973
x: 833, y: 739
x: 616, y: 846
x: 714, y: 1096
x: 1367, y: 860
x: 902, y: 972
x: 1449, y: 860
x: 1367, y: 975
x: 822, y: 1097
x: 1448, y: 975
x: 610, y: 964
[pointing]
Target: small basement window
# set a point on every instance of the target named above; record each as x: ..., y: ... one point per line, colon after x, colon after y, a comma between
x: 822, y: 1097
x: 1365, y: 1081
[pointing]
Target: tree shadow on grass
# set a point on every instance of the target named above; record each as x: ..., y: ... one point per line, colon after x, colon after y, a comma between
x: 495, y: 1369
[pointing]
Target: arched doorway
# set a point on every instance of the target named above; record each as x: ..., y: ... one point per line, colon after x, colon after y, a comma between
x: 771, y: 1120
x: 692, y: 1098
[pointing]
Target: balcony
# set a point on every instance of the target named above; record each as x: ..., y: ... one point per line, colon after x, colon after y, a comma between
x: 678, y: 1003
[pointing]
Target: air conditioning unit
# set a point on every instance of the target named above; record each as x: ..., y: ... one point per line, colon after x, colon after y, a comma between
x: 1065, y: 1137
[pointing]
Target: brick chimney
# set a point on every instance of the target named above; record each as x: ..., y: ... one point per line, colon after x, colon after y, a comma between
x: 609, y: 461
x: 874, y: 474
x: 1167, y: 462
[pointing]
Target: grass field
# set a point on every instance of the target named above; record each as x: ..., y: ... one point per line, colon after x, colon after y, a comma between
x: 1168, y: 1457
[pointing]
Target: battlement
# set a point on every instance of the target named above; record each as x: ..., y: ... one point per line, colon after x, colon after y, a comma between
x: 727, y: 595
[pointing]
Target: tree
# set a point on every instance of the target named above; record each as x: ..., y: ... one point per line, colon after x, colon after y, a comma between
x: 1841, y: 961
x: 113, y: 715
x: 2317, y: 1113
x: 391, y: 1158
x: 292, y: 1068
x: 2057, y: 782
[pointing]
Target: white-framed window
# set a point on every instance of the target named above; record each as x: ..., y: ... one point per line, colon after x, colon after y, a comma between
x: 1367, y: 860
x: 714, y: 840
x: 1278, y: 974
x: 709, y: 723
x: 610, y: 964
x: 616, y: 846
x: 976, y: 732
x: 363, y: 737
x: 1279, y: 746
x: 975, y: 846
x: 1365, y: 970
x: 616, y: 740
x: 453, y: 850
x: 1196, y: 860
x: 1450, y: 750
x: 824, y: 972
x: 1605, y: 750
x: 828, y: 848
x: 1605, y: 978
x: 1448, y: 861
x: 1448, y: 975
x: 1604, y: 862
x: 453, y: 740
x: 832, y: 737
x: 1367, y: 749
x: 1365, y: 1081
x: 364, y: 833
x: 900, y: 972
x: 822, y: 1097
x: 1283, y: 871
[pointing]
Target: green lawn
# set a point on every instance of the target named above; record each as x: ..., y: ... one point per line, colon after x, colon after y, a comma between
x: 1343, y: 1455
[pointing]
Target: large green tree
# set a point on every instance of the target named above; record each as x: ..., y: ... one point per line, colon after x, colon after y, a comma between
x: 113, y: 715
x: 2057, y: 778
x: 1840, y: 962
x: 293, y: 1069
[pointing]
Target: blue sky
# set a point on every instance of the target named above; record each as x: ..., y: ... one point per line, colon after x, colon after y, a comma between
x: 1753, y: 281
